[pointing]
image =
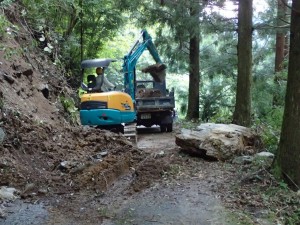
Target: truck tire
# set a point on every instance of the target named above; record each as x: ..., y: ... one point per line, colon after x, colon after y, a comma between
x: 163, y: 128
x: 169, y: 127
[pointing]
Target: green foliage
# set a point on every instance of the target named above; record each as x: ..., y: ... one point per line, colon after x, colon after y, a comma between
x: 69, y: 106
x: 267, y: 116
x: 4, y: 24
x: 173, y: 23
x: 284, y: 201
x: 293, y: 216
x: 5, y: 3
x: 216, y: 99
x: 11, y: 52
x: 269, y: 127
x: 188, y: 124
x: 57, y: 26
x: 180, y: 84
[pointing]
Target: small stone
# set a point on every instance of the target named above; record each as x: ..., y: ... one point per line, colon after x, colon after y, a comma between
x: 2, y: 214
x: 9, y: 79
x: 28, y: 72
x: 265, y: 154
x: 42, y: 191
x: 28, y: 188
x: 160, y: 154
x: 242, y: 160
x: 104, y: 153
x: 7, y: 193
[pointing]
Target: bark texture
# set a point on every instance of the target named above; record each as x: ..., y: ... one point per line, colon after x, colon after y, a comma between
x: 194, y: 81
x: 280, y: 48
x: 288, y: 158
x: 280, y: 35
x: 242, y: 113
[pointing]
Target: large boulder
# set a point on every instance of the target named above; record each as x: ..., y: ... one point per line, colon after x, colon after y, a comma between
x: 219, y: 141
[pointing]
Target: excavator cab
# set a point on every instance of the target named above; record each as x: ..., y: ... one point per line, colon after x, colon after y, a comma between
x: 91, y: 82
x: 107, y: 110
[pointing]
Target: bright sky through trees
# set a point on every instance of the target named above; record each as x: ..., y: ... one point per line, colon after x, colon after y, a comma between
x: 230, y: 9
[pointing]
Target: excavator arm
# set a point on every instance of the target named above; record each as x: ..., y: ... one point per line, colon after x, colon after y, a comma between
x: 130, y: 60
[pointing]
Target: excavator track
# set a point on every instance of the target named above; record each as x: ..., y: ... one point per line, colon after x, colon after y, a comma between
x: 130, y: 132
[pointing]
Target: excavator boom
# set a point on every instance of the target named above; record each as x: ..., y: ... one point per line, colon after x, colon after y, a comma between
x: 157, y: 70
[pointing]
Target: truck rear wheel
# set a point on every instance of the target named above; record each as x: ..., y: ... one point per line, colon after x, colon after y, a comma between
x: 163, y: 128
x: 169, y: 127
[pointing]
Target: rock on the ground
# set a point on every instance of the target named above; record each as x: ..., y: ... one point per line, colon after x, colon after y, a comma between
x: 243, y: 160
x: 8, y: 193
x: 264, y: 158
x: 220, y: 141
x: 265, y: 155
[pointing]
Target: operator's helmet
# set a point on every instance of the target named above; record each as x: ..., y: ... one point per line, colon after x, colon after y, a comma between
x: 99, y: 70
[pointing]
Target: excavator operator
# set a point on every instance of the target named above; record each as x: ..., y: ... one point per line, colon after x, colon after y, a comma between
x: 98, y: 82
x: 102, y: 83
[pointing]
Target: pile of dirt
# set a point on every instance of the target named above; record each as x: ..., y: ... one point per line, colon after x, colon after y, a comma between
x: 40, y: 159
x: 59, y: 161
x: 145, y: 93
x: 31, y: 83
x: 157, y: 71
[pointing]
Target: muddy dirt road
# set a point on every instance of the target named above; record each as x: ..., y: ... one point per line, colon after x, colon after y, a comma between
x: 167, y: 187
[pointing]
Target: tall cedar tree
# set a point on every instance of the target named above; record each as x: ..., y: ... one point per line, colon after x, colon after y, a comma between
x: 280, y: 34
x: 242, y: 113
x: 280, y: 51
x: 194, y: 69
x: 288, y: 158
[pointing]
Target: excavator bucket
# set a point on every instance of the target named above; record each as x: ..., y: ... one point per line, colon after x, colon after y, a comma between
x: 157, y: 71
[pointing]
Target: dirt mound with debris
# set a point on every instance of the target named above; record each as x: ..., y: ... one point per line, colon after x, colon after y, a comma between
x: 60, y: 161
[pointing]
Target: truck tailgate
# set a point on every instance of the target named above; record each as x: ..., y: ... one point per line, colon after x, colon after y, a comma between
x: 155, y: 103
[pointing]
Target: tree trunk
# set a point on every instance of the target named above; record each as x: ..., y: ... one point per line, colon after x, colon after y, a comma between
x: 73, y: 20
x: 288, y: 155
x: 280, y: 51
x: 193, y: 101
x: 194, y: 69
x: 242, y: 113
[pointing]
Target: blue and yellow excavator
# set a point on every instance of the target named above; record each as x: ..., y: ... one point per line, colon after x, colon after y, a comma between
x: 107, y: 110
x: 147, y: 106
